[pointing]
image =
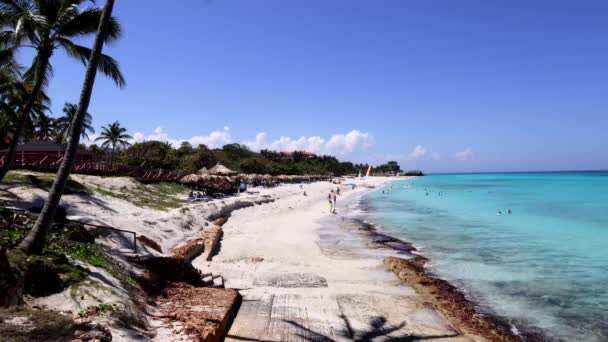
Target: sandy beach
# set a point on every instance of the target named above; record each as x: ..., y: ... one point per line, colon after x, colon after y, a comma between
x: 303, y: 273
x: 302, y: 278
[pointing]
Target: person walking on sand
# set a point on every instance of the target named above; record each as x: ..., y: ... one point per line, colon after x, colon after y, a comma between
x: 334, y: 203
x: 331, y: 202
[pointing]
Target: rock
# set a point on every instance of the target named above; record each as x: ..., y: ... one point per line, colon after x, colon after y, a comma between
x: 160, y: 271
x: 149, y: 243
x: 96, y: 332
x: 220, y: 221
x: 11, y: 283
x: 411, y: 173
x: 211, y: 238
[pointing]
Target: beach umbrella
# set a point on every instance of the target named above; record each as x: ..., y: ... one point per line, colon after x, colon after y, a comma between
x: 220, y: 169
x: 190, y: 179
x: 202, y: 171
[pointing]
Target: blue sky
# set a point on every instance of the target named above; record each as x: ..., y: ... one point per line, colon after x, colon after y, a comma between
x: 437, y: 85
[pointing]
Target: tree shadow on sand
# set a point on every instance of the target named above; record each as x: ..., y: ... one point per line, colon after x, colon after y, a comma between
x: 378, y: 330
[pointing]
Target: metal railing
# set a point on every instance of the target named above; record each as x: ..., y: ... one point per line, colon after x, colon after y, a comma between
x: 111, y: 228
x: 87, y: 224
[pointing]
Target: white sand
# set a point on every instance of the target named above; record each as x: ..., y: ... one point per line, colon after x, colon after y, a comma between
x: 295, y: 286
x: 295, y: 290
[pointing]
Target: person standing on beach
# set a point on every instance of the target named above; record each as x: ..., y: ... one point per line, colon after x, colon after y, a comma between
x: 334, y: 202
x: 331, y: 202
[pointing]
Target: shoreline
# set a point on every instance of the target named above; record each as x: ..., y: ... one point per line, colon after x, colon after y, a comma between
x: 300, y: 282
x: 462, y: 312
x: 465, y: 314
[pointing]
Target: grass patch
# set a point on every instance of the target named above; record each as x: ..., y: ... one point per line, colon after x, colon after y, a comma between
x: 22, y: 324
x: 44, y: 181
x: 162, y: 196
x: 89, y: 253
x: 14, y: 227
x: 98, y: 310
x: 46, y: 273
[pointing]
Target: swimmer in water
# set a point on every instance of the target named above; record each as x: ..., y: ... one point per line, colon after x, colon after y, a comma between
x: 499, y: 213
x: 509, y: 212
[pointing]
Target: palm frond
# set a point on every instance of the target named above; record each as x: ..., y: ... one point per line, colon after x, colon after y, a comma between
x: 30, y: 74
x: 86, y: 23
x: 49, y: 9
x: 107, y: 65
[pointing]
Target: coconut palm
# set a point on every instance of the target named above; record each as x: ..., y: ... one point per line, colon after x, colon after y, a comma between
x: 12, y: 98
x: 34, y: 241
x: 114, y: 136
x: 44, y: 126
x: 48, y: 25
x: 63, y: 125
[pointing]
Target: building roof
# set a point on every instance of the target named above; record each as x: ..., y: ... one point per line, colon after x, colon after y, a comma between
x: 40, y: 146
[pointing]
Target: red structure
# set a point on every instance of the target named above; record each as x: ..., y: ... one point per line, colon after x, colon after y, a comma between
x: 44, y: 153
x: 46, y: 156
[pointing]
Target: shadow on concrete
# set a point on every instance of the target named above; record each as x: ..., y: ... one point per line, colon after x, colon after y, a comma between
x: 378, y: 329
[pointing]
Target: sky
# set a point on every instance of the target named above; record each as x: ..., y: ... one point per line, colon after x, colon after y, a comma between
x: 437, y: 85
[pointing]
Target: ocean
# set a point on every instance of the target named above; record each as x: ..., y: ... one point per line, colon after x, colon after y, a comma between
x: 543, y: 266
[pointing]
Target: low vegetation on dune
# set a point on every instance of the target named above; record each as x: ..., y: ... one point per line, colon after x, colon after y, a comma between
x: 42, y: 181
x: 57, y: 267
x: 161, y: 196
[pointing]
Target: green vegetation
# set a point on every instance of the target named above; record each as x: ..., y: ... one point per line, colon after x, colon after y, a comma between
x: 65, y: 242
x: 43, y: 181
x: 46, y: 273
x: 161, y: 196
x: 115, y: 136
x: 187, y: 159
x: 97, y: 310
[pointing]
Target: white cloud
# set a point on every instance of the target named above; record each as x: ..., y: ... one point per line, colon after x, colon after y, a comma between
x: 337, y: 144
x: 259, y: 143
x: 212, y: 140
x: 349, y: 142
x: 417, y: 152
x: 467, y: 154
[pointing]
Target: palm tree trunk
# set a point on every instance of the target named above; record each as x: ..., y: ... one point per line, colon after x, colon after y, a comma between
x: 43, y: 57
x: 34, y: 241
x: 112, y: 156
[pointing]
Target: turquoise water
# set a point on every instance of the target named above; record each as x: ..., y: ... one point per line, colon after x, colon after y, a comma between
x: 543, y: 266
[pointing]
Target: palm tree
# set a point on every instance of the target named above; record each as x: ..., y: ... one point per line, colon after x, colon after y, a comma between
x: 115, y: 136
x: 34, y: 241
x: 48, y: 25
x: 44, y: 126
x: 13, y: 95
x: 63, y: 125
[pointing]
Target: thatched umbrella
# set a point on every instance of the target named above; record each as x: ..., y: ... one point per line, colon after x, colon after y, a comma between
x: 220, y: 169
x: 202, y: 171
x: 190, y: 179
